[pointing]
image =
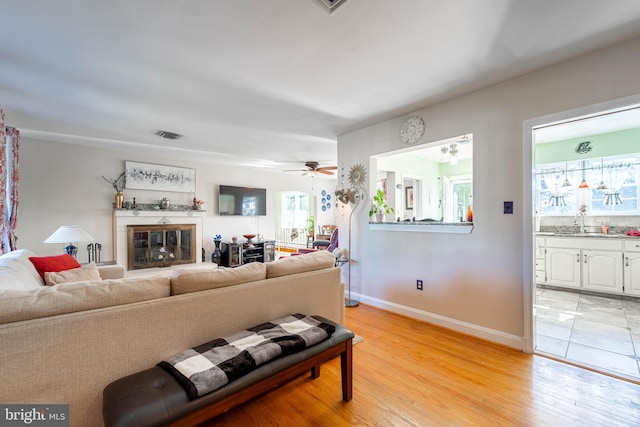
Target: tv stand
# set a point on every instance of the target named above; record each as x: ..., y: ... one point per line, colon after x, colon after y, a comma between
x: 237, y: 254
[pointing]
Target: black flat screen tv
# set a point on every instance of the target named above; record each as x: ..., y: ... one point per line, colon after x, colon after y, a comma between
x: 247, y: 201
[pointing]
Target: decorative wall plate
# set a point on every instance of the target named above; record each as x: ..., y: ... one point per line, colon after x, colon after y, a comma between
x: 357, y: 175
x: 412, y: 130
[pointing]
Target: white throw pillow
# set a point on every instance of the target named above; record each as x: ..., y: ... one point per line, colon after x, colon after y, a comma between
x: 22, y: 256
x: 15, y: 276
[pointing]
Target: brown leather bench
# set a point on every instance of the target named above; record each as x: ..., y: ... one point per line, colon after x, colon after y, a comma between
x: 154, y: 398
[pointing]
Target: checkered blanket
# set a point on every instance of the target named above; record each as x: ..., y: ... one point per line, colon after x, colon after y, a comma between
x: 209, y: 366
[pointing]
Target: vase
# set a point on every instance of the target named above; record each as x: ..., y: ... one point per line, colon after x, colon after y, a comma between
x: 119, y: 199
x: 217, y: 254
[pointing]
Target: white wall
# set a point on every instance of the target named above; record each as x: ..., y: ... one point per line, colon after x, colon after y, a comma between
x: 61, y: 184
x: 475, y: 282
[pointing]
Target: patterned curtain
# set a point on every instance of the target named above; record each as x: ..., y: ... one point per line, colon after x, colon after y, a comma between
x: 3, y: 179
x: 9, y: 181
x: 13, y: 135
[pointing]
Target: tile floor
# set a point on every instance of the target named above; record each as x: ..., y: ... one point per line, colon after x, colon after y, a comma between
x: 597, y: 331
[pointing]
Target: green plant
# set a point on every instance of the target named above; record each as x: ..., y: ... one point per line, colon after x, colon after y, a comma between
x: 311, y: 225
x: 378, y: 206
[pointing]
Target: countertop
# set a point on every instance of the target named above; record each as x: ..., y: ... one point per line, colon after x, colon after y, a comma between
x: 587, y: 235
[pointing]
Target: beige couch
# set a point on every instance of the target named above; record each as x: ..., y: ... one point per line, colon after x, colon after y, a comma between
x: 65, y: 343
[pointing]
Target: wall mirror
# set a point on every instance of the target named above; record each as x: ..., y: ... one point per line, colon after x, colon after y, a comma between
x: 430, y: 183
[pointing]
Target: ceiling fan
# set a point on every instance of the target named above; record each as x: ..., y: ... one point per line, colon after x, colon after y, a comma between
x: 313, y: 168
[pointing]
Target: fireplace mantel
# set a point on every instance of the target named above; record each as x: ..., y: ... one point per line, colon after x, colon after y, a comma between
x: 123, y: 218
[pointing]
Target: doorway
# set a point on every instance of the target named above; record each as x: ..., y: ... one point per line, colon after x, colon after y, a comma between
x: 598, y: 330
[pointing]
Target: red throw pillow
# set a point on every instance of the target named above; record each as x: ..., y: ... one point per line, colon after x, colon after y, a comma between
x: 54, y: 263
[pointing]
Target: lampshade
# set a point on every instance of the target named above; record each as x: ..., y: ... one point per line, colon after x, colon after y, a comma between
x: 69, y: 234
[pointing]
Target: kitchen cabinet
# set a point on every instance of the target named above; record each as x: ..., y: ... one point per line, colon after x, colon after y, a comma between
x: 563, y: 267
x: 585, y: 263
x: 602, y: 270
x: 541, y: 270
x: 632, y: 267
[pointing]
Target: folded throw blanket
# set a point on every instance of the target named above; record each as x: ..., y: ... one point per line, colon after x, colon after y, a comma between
x: 209, y: 366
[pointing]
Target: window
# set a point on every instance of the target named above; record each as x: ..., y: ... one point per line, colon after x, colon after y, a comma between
x: 613, y: 186
x: 295, y: 211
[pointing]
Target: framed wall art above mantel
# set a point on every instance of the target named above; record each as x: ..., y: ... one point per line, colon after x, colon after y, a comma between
x: 148, y: 176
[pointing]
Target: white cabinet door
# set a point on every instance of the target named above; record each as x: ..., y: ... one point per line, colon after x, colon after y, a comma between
x: 632, y: 273
x: 563, y: 267
x: 602, y: 270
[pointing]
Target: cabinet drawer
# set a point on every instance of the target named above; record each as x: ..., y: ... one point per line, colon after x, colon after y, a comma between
x: 540, y: 264
x: 632, y: 245
x: 540, y: 277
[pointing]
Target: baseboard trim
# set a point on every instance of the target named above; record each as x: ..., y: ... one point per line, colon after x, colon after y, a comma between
x: 453, y: 324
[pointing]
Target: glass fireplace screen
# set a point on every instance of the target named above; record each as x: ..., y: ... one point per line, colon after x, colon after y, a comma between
x: 160, y: 245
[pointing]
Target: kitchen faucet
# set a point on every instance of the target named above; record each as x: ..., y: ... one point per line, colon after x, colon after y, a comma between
x: 575, y: 221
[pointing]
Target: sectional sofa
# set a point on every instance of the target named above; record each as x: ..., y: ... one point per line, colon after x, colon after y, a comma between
x: 65, y: 343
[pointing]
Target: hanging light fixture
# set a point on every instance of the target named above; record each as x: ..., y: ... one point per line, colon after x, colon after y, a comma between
x: 602, y: 185
x: 444, y: 154
x: 583, y: 184
x: 566, y: 182
x: 453, y: 158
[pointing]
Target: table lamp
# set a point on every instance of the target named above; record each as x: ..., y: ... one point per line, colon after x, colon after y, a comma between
x: 69, y: 234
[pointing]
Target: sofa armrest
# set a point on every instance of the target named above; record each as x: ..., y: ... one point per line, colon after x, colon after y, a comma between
x: 114, y: 271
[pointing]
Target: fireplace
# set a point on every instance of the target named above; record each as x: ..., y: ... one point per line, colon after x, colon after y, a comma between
x: 160, y: 245
x: 167, y: 227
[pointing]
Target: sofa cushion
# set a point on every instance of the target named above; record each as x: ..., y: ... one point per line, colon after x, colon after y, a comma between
x: 79, y: 296
x: 300, y: 264
x: 187, y: 280
x: 14, y: 275
x: 85, y: 272
x: 28, y: 277
x: 53, y: 263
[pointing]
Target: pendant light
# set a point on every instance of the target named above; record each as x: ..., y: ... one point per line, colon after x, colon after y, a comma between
x: 602, y: 185
x: 566, y: 182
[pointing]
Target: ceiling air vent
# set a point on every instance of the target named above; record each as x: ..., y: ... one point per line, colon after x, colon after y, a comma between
x: 329, y: 6
x: 168, y: 135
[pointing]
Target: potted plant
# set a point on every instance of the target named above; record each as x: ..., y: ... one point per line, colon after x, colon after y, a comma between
x: 118, y: 185
x: 311, y: 225
x: 378, y: 207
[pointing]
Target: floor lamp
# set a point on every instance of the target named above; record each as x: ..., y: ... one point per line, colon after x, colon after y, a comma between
x: 351, y: 302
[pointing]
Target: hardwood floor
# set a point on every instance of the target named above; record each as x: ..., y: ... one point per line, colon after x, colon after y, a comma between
x: 410, y: 373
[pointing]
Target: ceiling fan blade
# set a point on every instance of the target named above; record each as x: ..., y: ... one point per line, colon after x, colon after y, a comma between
x: 326, y: 172
x: 328, y: 168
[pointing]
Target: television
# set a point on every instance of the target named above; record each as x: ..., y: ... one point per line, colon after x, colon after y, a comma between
x: 247, y: 201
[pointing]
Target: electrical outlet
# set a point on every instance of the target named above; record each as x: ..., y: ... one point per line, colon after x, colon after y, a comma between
x: 419, y: 284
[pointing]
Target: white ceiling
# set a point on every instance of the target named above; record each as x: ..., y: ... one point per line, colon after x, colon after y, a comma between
x: 270, y: 83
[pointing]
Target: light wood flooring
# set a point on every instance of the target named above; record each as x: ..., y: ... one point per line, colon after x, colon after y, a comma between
x: 410, y: 373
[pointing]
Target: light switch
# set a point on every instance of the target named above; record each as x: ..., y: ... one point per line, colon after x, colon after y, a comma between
x: 508, y: 208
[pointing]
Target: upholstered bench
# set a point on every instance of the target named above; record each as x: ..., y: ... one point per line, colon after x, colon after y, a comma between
x: 155, y: 398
